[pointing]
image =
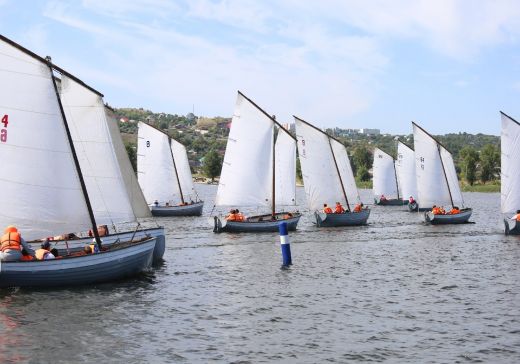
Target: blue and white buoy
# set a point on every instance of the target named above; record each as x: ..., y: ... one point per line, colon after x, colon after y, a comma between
x: 285, y: 245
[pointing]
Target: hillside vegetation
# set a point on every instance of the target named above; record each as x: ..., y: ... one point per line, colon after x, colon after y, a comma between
x: 476, y: 156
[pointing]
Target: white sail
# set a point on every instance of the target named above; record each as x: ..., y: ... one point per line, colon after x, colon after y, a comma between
x: 346, y: 173
x: 155, y: 171
x: 384, y: 175
x: 182, y: 166
x: 246, y: 177
x: 431, y: 181
x: 405, y: 168
x: 451, y: 177
x: 285, y: 169
x: 320, y: 175
x: 133, y: 190
x: 510, y: 165
x: 85, y: 113
x: 40, y: 191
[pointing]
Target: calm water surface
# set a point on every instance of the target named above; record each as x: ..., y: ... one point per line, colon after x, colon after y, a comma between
x: 393, y: 291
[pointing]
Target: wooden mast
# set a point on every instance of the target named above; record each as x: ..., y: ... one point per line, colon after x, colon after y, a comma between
x: 333, y: 156
x: 339, y: 175
x: 273, y: 207
x: 175, y: 168
x: 439, y: 145
x: 75, y: 157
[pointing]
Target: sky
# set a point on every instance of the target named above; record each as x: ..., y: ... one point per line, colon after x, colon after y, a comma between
x: 449, y: 65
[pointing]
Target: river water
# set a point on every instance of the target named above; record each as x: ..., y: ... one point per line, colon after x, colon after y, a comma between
x: 394, y: 291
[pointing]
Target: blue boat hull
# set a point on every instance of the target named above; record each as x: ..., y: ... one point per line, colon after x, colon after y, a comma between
x: 117, y: 263
x: 345, y: 219
x: 194, y: 209
x: 76, y: 245
x: 256, y: 224
x: 511, y: 231
x: 460, y: 218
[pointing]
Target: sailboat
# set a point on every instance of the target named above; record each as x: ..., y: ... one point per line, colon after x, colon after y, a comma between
x: 405, y: 169
x: 164, y: 174
x: 385, y: 179
x: 256, y: 171
x: 437, y: 182
x: 104, y: 164
x: 327, y: 176
x: 510, y: 171
x: 42, y: 188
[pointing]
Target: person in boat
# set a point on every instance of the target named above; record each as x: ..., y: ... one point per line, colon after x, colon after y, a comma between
x: 327, y: 209
x: 26, y: 257
x: 232, y: 216
x: 239, y: 216
x: 358, y: 207
x: 44, y: 253
x: 339, y: 209
x: 156, y: 203
x: 382, y: 198
x: 102, y: 230
x: 11, y: 245
x: 516, y: 216
x: 287, y: 216
x: 455, y: 210
x: 411, y: 200
x: 438, y: 210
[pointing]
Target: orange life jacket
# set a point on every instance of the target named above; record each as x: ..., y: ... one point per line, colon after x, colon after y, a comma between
x: 517, y: 217
x: 26, y: 258
x: 240, y: 217
x: 437, y: 211
x: 357, y: 208
x: 41, y: 253
x: 231, y: 217
x: 339, y: 209
x: 454, y: 211
x: 11, y: 241
x: 327, y: 210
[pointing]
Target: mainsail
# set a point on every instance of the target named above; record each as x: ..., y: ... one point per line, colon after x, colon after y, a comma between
x: 510, y: 166
x: 247, y: 172
x: 163, y: 170
x: 40, y: 188
x: 85, y: 112
x: 405, y: 168
x: 384, y: 175
x: 437, y: 182
x: 134, y: 192
x: 285, y: 164
x: 326, y: 170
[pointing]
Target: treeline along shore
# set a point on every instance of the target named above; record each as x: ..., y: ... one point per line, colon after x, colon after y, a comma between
x: 476, y: 156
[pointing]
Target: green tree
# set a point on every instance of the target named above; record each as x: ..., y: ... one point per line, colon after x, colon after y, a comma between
x: 212, y: 164
x: 362, y: 173
x: 469, y: 162
x: 132, y: 154
x: 362, y: 159
x: 298, y: 170
x: 489, y: 162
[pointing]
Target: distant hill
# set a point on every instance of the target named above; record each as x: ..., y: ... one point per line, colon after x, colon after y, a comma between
x: 202, y: 134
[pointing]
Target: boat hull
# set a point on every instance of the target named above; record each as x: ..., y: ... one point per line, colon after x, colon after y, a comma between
x: 391, y: 202
x: 460, y: 218
x: 76, y: 245
x: 74, y: 271
x: 511, y: 231
x: 195, y: 209
x: 256, y: 224
x: 345, y: 219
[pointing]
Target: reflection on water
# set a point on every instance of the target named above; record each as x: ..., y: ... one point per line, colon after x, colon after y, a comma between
x: 395, y: 290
